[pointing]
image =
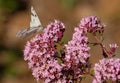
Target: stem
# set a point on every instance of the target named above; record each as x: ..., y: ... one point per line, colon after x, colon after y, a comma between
x: 102, y: 46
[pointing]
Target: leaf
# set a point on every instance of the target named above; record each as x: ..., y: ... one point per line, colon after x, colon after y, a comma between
x: 92, y: 72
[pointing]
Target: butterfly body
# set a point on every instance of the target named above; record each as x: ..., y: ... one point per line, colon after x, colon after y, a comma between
x: 35, y: 26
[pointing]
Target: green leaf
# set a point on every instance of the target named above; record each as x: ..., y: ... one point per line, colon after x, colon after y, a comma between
x: 92, y: 72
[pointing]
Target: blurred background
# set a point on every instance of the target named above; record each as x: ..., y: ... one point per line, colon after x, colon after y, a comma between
x: 15, y: 15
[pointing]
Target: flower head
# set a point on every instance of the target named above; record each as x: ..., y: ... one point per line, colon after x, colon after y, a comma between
x: 40, y: 52
x: 106, y: 69
x: 92, y: 24
x: 54, y: 31
x: 77, y: 52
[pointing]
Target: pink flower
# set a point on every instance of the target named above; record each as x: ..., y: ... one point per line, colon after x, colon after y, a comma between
x: 40, y: 52
x: 77, y: 52
x: 106, y: 69
x: 92, y: 24
x: 113, y: 48
x: 54, y: 31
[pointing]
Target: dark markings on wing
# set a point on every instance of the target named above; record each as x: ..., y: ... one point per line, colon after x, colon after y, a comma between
x: 34, y: 14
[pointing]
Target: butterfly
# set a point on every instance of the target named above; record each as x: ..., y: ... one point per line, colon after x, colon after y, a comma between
x: 35, y: 26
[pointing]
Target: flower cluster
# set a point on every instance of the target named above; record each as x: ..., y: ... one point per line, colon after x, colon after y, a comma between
x: 54, y: 31
x: 92, y: 24
x: 77, y: 49
x: 40, y: 52
x: 107, y: 69
x: 77, y: 52
x: 70, y: 62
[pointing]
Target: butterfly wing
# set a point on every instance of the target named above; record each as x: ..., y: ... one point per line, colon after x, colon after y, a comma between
x: 35, y: 22
x: 22, y: 33
x: 35, y: 26
x: 26, y: 32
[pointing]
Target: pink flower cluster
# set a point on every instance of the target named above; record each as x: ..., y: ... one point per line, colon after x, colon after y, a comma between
x: 40, y: 52
x: 54, y: 31
x: 72, y: 62
x: 107, y: 69
x: 77, y: 52
x: 77, y: 49
x: 92, y: 24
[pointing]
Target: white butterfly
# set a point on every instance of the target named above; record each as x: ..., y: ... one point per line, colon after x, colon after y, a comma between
x: 35, y: 26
